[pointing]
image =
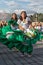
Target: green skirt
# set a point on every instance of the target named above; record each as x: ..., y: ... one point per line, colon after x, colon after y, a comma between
x: 19, y: 41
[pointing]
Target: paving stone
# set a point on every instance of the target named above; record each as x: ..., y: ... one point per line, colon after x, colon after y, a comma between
x: 13, y: 57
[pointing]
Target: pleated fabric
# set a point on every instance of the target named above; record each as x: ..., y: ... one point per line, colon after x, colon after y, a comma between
x: 18, y: 39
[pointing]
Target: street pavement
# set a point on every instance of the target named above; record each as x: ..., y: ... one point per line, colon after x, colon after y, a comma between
x: 13, y: 57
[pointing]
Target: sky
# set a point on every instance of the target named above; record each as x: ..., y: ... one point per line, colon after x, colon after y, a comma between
x: 11, y: 6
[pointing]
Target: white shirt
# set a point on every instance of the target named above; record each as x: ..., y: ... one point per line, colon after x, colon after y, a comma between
x: 24, y: 24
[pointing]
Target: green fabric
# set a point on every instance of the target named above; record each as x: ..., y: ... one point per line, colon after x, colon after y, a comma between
x: 5, y: 29
x: 17, y: 34
x: 13, y: 22
x: 19, y: 40
x: 16, y: 40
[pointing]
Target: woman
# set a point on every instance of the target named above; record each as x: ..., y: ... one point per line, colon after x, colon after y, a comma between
x: 13, y: 21
x: 11, y: 36
x: 24, y: 23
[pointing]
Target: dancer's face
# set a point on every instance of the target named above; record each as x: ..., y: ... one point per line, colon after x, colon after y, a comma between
x: 14, y: 16
x: 23, y: 15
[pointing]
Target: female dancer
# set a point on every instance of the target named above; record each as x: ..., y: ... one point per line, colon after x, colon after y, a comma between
x: 24, y: 23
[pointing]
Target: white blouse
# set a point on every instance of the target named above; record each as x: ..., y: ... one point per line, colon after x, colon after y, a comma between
x: 24, y: 24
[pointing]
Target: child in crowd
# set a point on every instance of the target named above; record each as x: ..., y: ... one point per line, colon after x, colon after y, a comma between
x: 38, y: 26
